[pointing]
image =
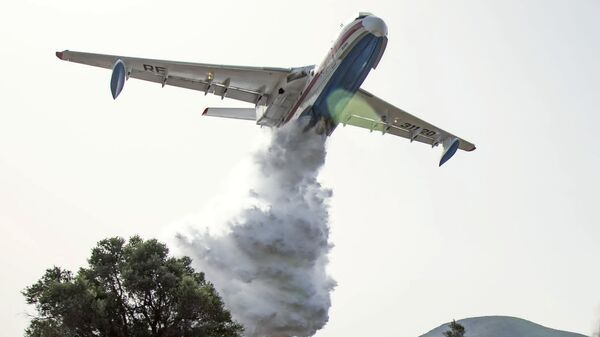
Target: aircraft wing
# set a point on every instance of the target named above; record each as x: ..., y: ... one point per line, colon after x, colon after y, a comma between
x: 248, y: 84
x: 370, y: 112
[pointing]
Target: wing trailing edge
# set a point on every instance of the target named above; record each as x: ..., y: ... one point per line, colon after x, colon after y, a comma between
x: 233, y: 113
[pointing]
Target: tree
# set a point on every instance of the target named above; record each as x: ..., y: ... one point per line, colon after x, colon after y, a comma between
x: 456, y: 330
x: 129, y: 289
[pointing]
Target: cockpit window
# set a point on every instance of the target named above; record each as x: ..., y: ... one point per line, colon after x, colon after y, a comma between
x: 362, y: 15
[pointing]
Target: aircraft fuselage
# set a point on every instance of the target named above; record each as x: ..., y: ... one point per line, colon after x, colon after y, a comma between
x: 329, y: 86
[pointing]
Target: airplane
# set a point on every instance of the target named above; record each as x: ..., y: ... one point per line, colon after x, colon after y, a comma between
x: 326, y: 95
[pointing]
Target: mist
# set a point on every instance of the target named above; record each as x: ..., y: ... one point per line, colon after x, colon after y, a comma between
x: 269, y: 262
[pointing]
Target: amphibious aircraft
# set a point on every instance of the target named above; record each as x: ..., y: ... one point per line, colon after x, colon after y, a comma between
x: 326, y: 95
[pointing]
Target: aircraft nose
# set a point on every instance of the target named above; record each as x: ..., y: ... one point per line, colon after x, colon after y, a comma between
x: 375, y: 26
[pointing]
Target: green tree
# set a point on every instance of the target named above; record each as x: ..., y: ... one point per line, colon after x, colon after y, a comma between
x: 128, y: 289
x: 456, y: 330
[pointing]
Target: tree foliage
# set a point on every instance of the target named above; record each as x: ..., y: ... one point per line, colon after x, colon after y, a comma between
x: 128, y: 289
x: 456, y: 330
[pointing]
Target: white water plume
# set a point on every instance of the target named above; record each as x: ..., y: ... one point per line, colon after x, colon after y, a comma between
x: 270, y: 263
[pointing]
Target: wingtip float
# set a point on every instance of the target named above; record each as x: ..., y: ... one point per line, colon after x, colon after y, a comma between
x: 118, y: 78
x: 450, y: 147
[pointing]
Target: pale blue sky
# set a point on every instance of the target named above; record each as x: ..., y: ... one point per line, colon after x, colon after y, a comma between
x: 510, y: 229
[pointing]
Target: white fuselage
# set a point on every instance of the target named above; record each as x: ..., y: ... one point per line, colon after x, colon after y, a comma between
x: 358, y: 49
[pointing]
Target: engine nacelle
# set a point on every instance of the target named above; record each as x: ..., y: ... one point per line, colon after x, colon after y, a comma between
x: 450, y: 148
x: 118, y: 78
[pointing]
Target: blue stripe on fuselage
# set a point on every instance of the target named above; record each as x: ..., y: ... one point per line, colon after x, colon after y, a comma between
x: 348, y: 77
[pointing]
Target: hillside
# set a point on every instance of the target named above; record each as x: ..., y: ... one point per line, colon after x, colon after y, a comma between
x: 502, y: 326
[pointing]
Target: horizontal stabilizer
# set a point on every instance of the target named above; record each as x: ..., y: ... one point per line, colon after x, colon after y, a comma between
x: 234, y: 113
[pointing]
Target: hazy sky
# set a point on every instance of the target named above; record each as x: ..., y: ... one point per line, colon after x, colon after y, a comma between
x: 510, y: 229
